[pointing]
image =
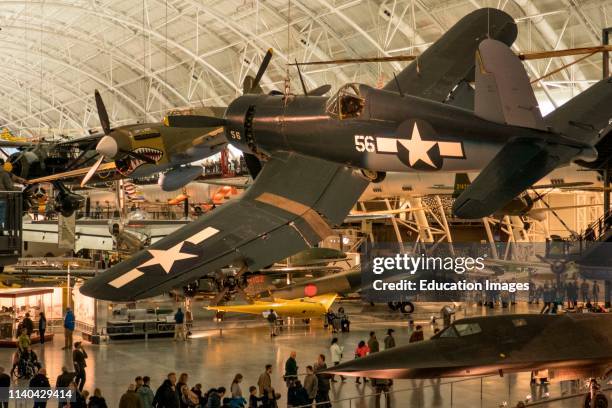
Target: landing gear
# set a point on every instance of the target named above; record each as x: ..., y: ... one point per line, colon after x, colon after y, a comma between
x: 373, y: 176
x: 404, y: 307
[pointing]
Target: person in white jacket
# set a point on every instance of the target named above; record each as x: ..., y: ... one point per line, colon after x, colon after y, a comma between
x: 336, y: 355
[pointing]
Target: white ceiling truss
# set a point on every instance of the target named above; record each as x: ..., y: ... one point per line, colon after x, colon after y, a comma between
x: 148, y: 56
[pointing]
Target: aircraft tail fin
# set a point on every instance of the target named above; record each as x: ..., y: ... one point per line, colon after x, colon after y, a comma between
x: 503, y: 91
x: 585, y: 116
x: 326, y: 300
x: 462, y: 182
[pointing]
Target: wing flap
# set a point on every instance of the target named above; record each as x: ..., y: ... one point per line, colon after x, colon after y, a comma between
x: 288, y: 208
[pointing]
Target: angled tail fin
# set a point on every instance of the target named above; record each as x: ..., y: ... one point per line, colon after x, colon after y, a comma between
x: 462, y: 182
x: 585, y: 116
x: 326, y: 300
x: 503, y: 92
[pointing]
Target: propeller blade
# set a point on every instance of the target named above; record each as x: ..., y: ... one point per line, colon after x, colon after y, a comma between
x: 262, y: 69
x: 253, y: 164
x: 301, y: 79
x: 102, y: 114
x: 92, y: 171
x: 320, y: 91
x: 195, y: 121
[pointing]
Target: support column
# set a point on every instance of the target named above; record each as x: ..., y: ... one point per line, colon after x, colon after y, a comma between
x: 421, y: 220
x: 398, y: 234
x: 605, y: 40
x: 490, y: 237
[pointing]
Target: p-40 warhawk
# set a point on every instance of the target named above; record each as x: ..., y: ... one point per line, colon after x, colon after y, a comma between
x: 319, y: 154
x: 136, y: 150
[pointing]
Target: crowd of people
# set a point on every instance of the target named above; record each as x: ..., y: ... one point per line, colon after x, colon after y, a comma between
x: 311, y: 385
x: 555, y: 295
x: 303, y: 388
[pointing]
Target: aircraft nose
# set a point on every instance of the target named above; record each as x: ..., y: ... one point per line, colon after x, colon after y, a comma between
x: 107, y: 147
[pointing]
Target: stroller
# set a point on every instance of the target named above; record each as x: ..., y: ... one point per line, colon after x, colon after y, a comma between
x: 25, y: 364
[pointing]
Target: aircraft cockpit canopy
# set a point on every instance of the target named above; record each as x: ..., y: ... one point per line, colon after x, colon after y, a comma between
x: 347, y: 103
x: 460, y: 330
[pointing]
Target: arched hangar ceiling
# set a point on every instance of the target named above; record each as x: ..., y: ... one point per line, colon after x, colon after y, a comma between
x: 148, y: 56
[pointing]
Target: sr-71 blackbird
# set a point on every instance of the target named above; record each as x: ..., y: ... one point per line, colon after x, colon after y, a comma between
x: 570, y: 346
x: 318, y: 154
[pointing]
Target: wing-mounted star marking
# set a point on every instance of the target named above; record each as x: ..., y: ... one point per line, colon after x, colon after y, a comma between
x: 167, y: 258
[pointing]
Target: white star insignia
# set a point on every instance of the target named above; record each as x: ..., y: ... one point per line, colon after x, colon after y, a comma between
x: 418, y: 148
x: 167, y: 258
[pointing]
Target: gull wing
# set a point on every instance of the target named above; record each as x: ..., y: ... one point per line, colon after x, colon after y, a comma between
x: 291, y: 206
x: 450, y: 60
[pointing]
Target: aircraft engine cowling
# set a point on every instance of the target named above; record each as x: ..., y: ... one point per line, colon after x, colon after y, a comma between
x: 178, y: 177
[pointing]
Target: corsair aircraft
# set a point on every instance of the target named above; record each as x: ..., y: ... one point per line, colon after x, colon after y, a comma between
x: 318, y: 154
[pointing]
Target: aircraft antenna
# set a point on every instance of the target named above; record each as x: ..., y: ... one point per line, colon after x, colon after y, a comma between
x: 166, y: 55
x: 414, y: 31
x: 287, y: 80
x: 397, y: 83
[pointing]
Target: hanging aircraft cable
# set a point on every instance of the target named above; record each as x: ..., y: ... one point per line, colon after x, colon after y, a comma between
x: 523, y: 56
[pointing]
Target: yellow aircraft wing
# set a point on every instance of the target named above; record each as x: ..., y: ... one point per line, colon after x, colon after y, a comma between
x: 72, y: 173
x: 302, y: 307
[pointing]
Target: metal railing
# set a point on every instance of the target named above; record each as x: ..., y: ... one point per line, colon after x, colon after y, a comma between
x: 598, y: 228
x: 443, y: 394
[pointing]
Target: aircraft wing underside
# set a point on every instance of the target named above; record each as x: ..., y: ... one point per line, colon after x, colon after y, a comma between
x: 519, y: 164
x: 290, y: 207
x: 450, y: 60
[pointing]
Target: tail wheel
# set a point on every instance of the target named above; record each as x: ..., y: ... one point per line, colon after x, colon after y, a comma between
x: 406, y: 307
x: 373, y: 176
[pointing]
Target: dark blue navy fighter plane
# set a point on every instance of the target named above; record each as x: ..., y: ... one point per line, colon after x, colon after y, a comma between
x: 312, y: 156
